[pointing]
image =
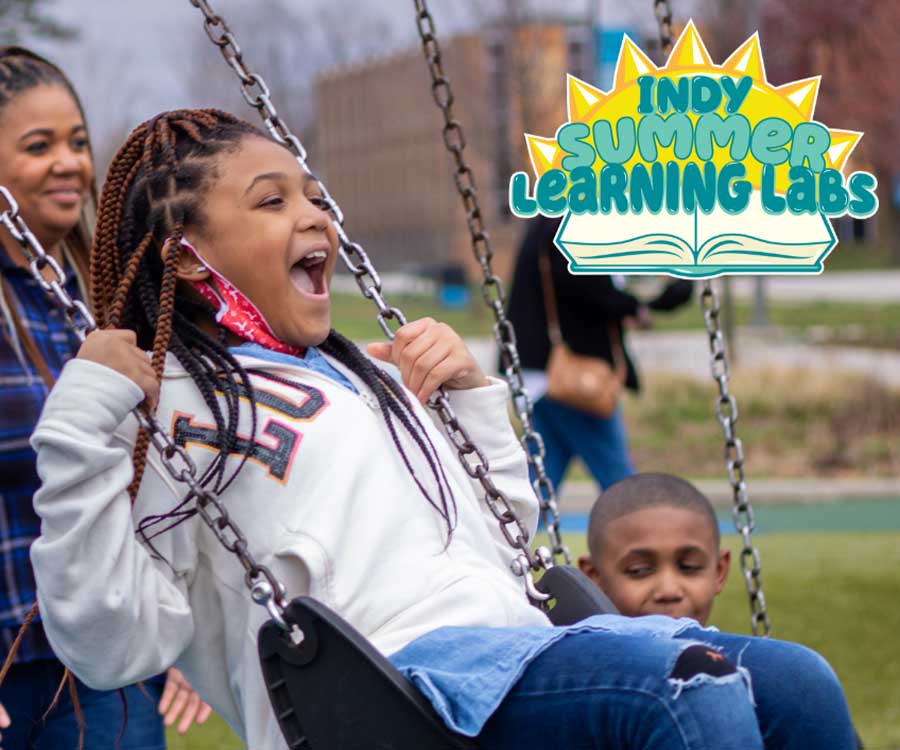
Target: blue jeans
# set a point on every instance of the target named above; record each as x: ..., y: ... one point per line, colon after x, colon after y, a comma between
x: 617, y: 692
x: 27, y: 693
x: 601, y: 443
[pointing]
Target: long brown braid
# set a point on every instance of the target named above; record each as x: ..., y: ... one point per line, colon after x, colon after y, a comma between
x: 153, y: 190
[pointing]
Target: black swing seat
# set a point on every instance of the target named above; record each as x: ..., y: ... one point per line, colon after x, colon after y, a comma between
x: 335, y: 691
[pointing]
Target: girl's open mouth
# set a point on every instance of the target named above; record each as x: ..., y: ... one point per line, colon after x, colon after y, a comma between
x: 308, y: 274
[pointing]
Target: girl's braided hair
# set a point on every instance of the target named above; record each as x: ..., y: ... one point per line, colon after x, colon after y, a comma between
x: 153, y: 191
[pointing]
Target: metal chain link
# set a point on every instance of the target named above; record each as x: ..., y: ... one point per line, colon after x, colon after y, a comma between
x: 726, y: 411
x: 727, y: 414
x: 265, y: 589
x: 256, y: 93
x: 491, y: 285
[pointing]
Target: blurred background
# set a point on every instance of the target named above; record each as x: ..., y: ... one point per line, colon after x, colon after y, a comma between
x: 816, y: 361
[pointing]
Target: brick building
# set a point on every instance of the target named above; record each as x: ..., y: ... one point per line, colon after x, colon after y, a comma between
x: 380, y: 148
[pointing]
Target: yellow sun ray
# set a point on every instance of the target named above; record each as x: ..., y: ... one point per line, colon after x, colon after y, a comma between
x: 544, y: 153
x: 803, y: 94
x: 689, y: 51
x: 842, y: 144
x: 631, y: 64
x: 582, y: 98
x: 747, y: 60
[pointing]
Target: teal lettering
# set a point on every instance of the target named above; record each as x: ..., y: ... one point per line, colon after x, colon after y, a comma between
x: 520, y: 203
x: 673, y: 185
x: 706, y: 94
x: 713, y: 126
x: 647, y: 187
x: 698, y: 188
x: 613, y: 180
x: 669, y: 93
x: 653, y: 129
x: 771, y: 201
x: 583, y: 191
x: 549, y: 192
x: 580, y: 153
x: 833, y: 198
x: 608, y: 152
x: 769, y: 137
x: 810, y: 143
x: 801, y: 195
x: 735, y: 93
x: 646, y: 85
x: 865, y: 201
x: 733, y: 191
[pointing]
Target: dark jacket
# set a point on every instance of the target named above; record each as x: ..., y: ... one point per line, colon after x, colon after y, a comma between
x: 589, y: 305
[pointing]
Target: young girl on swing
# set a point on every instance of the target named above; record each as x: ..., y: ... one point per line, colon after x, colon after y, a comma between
x: 215, y: 253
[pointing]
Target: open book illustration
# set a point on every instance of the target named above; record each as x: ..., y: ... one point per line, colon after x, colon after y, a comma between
x: 697, y: 245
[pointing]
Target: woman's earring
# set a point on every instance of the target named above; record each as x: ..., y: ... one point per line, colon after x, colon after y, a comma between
x: 200, y: 269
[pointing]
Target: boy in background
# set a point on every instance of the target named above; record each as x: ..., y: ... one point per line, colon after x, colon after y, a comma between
x: 654, y: 548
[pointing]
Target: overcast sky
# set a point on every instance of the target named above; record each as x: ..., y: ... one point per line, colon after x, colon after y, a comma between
x: 133, y: 59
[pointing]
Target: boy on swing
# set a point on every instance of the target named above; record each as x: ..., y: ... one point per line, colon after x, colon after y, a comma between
x: 215, y: 251
x: 654, y: 549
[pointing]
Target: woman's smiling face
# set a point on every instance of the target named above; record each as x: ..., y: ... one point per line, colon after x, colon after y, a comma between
x: 45, y: 159
x: 266, y: 230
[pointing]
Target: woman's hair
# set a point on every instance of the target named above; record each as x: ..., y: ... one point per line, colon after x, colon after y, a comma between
x: 22, y: 70
x: 154, y: 190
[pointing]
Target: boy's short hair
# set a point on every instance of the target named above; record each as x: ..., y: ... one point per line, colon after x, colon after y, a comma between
x: 641, y: 491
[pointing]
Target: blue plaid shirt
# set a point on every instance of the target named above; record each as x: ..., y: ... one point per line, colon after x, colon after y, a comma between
x: 22, y: 396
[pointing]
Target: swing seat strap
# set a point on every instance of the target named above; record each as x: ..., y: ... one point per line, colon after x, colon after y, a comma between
x: 334, y: 691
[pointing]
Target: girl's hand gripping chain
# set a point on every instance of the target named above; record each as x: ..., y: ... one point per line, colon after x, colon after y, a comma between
x: 429, y: 355
x: 117, y: 350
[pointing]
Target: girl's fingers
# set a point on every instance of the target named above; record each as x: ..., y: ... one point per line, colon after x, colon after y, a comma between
x: 425, y: 364
x: 204, y: 713
x: 380, y: 350
x: 169, y: 691
x: 178, y: 704
x: 190, y: 712
x: 445, y: 370
x: 4, y: 717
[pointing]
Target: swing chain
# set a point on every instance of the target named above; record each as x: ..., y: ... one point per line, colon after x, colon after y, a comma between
x: 369, y: 282
x: 663, y: 12
x: 726, y: 411
x: 76, y: 312
x: 491, y: 287
x: 176, y: 461
x: 727, y: 414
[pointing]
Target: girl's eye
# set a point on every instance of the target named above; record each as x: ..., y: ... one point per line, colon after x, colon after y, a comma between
x: 319, y: 202
x: 37, y: 147
x: 688, y: 568
x: 638, y: 571
x: 79, y: 144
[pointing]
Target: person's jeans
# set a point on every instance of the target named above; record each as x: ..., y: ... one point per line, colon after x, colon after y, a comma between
x: 601, y: 443
x: 628, y: 692
x: 27, y: 693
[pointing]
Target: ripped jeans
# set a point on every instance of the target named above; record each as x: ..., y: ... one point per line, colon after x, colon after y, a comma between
x: 623, y: 691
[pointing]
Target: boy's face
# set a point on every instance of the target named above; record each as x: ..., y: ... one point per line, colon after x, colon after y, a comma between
x: 660, y: 561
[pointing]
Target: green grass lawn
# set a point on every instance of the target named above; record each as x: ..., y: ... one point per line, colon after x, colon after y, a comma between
x: 837, y: 593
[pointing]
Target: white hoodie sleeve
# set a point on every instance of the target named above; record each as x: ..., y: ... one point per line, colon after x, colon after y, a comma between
x: 484, y: 414
x: 113, y: 613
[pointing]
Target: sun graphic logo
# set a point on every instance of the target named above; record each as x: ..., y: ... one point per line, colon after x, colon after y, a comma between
x: 694, y: 169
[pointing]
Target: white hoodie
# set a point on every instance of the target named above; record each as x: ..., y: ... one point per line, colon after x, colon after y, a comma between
x: 327, y: 503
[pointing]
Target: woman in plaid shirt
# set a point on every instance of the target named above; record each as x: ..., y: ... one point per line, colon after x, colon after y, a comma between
x: 46, y: 162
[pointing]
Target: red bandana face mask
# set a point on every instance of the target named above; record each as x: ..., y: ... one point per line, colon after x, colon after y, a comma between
x: 236, y: 312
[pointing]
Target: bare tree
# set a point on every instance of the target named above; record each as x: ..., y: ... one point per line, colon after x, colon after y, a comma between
x: 19, y: 18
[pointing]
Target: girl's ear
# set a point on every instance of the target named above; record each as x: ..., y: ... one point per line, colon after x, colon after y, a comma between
x: 188, y: 267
